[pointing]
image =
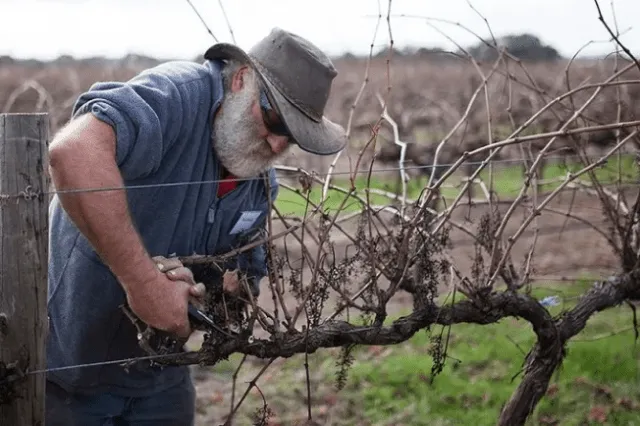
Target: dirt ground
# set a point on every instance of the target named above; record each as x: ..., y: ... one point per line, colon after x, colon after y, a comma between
x: 565, y: 248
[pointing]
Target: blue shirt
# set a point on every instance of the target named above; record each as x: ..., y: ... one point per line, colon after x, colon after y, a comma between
x: 163, y: 121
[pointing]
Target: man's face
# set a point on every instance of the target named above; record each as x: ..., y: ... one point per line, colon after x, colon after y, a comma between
x: 244, y: 137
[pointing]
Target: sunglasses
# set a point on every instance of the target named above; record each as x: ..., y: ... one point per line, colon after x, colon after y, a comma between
x: 272, y: 119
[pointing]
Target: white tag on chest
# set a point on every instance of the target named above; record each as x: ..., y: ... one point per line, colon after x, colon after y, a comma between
x: 246, y: 221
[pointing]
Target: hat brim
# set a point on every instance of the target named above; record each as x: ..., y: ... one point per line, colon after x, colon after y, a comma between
x: 322, y: 137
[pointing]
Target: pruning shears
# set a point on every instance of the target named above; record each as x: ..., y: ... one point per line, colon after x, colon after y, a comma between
x: 201, y: 319
x: 156, y: 342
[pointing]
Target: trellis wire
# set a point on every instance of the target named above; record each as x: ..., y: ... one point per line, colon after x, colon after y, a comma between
x: 290, y: 170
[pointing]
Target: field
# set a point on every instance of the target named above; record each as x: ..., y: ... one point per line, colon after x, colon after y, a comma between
x: 555, y: 246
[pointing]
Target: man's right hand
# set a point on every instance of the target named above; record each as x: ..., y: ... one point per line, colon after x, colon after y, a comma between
x: 162, y: 303
x: 176, y: 271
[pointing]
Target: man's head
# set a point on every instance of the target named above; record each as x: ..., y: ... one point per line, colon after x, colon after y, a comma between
x: 248, y: 134
x: 275, y: 96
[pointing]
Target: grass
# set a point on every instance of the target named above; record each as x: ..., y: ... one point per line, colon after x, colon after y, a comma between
x: 508, y: 181
x: 599, y: 377
x: 598, y: 383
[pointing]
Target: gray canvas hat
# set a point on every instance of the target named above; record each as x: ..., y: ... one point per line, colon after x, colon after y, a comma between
x: 298, y: 78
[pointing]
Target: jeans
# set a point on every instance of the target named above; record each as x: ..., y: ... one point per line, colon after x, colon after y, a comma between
x: 171, y: 407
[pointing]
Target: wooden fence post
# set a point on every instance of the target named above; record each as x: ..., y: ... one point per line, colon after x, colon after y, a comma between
x: 24, y: 235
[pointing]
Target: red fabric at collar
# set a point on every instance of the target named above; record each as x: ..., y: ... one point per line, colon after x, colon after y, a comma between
x: 228, y: 184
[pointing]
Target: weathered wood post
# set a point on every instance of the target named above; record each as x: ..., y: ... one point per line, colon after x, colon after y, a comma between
x: 24, y: 182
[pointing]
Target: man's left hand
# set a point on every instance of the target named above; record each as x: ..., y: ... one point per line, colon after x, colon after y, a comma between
x: 231, y: 283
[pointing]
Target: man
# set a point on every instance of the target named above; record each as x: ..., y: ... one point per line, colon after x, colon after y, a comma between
x: 230, y: 117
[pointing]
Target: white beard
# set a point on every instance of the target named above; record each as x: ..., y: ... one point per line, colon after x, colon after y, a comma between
x: 235, y: 137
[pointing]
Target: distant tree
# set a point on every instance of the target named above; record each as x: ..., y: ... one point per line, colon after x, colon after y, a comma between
x: 524, y: 46
x: 7, y: 60
x: 64, y: 60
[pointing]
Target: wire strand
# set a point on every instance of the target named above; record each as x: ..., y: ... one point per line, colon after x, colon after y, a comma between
x: 291, y: 171
x: 99, y: 364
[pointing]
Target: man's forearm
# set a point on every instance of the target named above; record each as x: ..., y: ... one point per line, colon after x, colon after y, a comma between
x: 102, y: 216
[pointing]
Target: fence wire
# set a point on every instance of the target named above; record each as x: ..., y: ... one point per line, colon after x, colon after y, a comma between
x: 20, y: 374
x: 289, y: 171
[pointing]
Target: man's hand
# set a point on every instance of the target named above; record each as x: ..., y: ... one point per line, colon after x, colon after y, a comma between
x: 162, y: 303
x: 176, y: 271
x: 231, y: 283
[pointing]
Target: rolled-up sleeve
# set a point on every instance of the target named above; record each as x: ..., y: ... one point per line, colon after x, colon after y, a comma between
x: 146, y: 114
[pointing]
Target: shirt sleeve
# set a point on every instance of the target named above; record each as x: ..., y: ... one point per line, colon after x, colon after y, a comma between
x: 146, y: 113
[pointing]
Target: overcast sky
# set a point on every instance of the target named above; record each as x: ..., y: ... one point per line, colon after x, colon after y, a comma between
x: 46, y: 29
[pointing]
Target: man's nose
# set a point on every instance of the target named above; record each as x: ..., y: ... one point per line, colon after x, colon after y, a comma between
x: 278, y: 143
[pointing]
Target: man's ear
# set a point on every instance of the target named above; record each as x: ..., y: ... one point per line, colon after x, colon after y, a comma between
x: 239, y: 78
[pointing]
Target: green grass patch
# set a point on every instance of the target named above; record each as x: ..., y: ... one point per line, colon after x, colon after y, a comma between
x: 599, y: 378
x: 292, y: 203
x: 508, y: 179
